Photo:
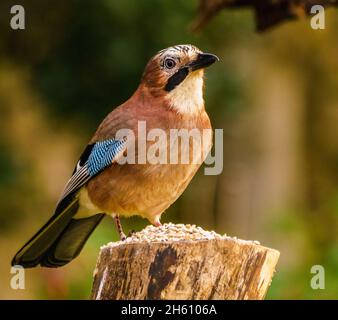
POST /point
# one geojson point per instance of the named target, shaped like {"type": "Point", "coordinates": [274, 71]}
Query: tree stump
{"type": "Point", "coordinates": [183, 262]}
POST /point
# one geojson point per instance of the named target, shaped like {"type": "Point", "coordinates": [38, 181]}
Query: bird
{"type": "Point", "coordinates": [169, 96]}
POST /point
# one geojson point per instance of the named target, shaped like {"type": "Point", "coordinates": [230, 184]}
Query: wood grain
{"type": "Point", "coordinates": [205, 269]}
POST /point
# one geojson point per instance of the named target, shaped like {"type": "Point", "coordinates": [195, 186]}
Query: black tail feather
{"type": "Point", "coordinates": [59, 241]}
{"type": "Point", "coordinates": [32, 252]}
{"type": "Point", "coordinates": [71, 241]}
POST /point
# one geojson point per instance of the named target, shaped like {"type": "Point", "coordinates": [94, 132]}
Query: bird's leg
{"type": "Point", "coordinates": [157, 222]}
{"type": "Point", "coordinates": [119, 228]}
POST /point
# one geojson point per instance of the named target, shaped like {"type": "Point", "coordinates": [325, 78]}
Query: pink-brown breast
{"type": "Point", "coordinates": [145, 189]}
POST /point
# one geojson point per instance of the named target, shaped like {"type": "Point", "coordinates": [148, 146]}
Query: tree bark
{"type": "Point", "coordinates": [222, 268]}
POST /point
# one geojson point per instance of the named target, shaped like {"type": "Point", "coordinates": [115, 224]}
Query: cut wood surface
{"type": "Point", "coordinates": [183, 262]}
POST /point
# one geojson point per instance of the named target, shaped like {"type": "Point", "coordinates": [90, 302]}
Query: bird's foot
{"type": "Point", "coordinates": [157, 223]}
{"type": "Point", "coordinates": [131, 232]}
{"type": "Point", "coordinates": [123, 237]}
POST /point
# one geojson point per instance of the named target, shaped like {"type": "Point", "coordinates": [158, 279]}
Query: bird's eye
{"type": "Point", "coordinates": [169, 63]}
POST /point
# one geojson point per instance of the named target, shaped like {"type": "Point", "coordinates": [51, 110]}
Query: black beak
{"type": "Point", "coordinates": [203, 60]}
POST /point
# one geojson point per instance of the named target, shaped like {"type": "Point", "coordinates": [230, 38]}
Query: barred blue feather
{"type": "Point", "coordinates": [103, 154]}
{"type": "Point", "coordinates": [93, 160]}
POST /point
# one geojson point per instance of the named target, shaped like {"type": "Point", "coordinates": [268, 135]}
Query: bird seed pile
{"type": "Point", "coordinates": [173, 232]}
{"type": "Point", "coordinates": [170, 232]}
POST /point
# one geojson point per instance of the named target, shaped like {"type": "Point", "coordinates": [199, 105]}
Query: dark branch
{"type": "Point", "coordinates": [267, 12]}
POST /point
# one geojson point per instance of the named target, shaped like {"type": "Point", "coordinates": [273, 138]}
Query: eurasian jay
{"type": "Point", "coordinates": [170, 96]}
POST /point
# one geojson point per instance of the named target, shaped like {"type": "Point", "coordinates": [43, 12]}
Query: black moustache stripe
{"type": "Point", "coordinates": [176, 79]}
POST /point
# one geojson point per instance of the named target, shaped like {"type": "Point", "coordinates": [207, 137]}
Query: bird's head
{"type": "Point", "coordinates": [176, 73]}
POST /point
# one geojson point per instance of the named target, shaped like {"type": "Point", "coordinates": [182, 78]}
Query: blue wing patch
{"type": "Point", "coordinates": [102, 155]}
{"type": "Point", "coordinates": [93, 160]}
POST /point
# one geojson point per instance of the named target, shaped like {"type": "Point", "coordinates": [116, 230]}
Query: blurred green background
{"type": "Point", "coordinates": [275, 95]}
